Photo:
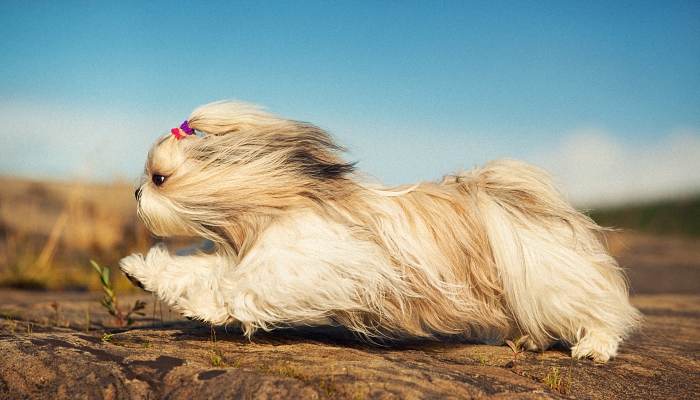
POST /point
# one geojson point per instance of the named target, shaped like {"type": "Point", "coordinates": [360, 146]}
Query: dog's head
{"type": "Point", "coordinates": [243, 165]}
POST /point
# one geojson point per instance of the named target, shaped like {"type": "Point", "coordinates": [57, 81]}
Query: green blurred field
{"type": "Point", "coordinates": [49, 231]}
{"type": "Point", "coordinates": [679, 217]}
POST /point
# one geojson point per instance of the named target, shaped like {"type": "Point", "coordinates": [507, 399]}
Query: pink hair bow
{"type": "Point", "coordinates": [184, 128]}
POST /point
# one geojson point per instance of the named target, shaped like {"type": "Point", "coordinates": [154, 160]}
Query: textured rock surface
{"type": "Point", "coordinates": [46, 352]}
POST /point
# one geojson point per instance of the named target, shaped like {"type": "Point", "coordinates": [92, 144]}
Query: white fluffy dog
{"type": "Point", "coordinates": [492, 253]}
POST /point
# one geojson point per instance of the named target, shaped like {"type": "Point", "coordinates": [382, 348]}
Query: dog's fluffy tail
{"type": "Point", "coordinates": [558, 279]}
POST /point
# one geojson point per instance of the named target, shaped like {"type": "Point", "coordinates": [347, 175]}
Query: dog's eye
{"type": "Point", "coordinates": [158, 179]}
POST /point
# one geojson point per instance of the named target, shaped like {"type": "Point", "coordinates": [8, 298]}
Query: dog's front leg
{"type": "Point", "coordinates": [189, 284]}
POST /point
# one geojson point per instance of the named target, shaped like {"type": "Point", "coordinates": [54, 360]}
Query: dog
{"type": "Point", "coordinates": [300, 237]}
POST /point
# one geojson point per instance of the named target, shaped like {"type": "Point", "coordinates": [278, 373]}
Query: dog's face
{"type": "Point", "coordinates": [159, 205]}
{"type": "Point", "coordinates": [247, 165]}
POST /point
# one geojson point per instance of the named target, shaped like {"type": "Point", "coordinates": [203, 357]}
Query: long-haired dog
{"type": "Point", "coordinates": [494, 253]}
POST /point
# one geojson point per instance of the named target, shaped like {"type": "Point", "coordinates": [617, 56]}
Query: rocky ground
{"type": "Point", "coordinates": [65, 345]}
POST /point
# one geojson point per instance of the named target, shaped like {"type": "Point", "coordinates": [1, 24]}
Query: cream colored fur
{"type": "Point", "coordinates": [493, 253]}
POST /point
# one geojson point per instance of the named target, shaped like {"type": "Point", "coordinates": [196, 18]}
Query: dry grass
{"type": "Point", "coordinates": [49, 231]}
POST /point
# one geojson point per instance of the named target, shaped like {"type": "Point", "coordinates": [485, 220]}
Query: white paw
{"type": "Point", "coordinates": [530, 344]}
{"type": "Point", "coordinates": [140, 270]}
{"type": "Point", "coordinates": [134, 267]}
{"type": "Point", "coordinates": [599, 347]}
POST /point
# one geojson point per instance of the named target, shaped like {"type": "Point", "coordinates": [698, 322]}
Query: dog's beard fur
{"type": "Point", "coordinates": [495, 252]}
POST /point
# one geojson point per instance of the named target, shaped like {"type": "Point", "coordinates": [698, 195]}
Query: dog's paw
{"type": "Point", "coordinates": [530, 344]}
{"type": "Point", "coordinates": [599, 347]}
{"type": "Point", "coordinates": [134, 267]}
{"type": "Point", "coordinates": [135, 282]}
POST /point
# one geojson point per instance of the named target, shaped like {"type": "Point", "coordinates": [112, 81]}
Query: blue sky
{"type": "Point", "coordinates": [605, 95]}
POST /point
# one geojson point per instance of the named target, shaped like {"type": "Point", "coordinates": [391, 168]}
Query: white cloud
{"type": "Point", "coordinates": [596, 167]}
{"type": "Point", "coordinates": [599, 169]}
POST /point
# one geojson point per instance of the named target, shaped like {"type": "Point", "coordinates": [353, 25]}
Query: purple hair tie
{"type": "Point", "coordinates": [185, 128]}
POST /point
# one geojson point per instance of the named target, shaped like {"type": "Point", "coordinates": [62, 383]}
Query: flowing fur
{"type": "Point", "coordinates": [494, 252]}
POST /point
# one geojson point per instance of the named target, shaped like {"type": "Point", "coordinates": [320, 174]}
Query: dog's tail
{"type": "Point", "coordinates": [558, 279]}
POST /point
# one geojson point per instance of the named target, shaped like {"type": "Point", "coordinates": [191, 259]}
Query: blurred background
{"type": "Point", "coordinates": [604, 95]}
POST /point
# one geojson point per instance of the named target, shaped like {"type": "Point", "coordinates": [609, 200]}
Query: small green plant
{"type": "Point", "coordinates": [292, 371]}
{"type": "Point", "coordinates": [287, 370]}
{"type": "Point", "coordinates": [30, 328]}
{"type": "Point", "coordinates": [479, 357]}
{"type": "Point", "coordinates": [517, 349]}
{"type": "Point", "coordinates": [109, 300]}
{"type": "Point", "coordinates": [284, 368]}
{"type": "Point", "coordinates": [147, 344]}
{"type": "Point", "coordinates": [358, 392]}
{"type": "Point", "coordinates": [212, 339]}
{"type": "Point", "coordinates": [264, 368]}
{"type": "Point", "coordinates": [217, 358]}
{"type": "Point", "coordinates": [212, 334]}
{"type": "Point", "coordinates": [12, 325]}
{"type": "Point", "coordinates": [554, 380]}
{"type": "Point", "coordinates": [329, 385]}
{"type": "Point", "coordinates": [109, 338]}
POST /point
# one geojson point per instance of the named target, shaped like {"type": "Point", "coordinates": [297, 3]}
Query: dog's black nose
{"type": "Point", "coordinates": [137, 193]}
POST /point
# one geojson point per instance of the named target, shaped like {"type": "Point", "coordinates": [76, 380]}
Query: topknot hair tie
{"type": "Point", "coordinates": [184, 128]}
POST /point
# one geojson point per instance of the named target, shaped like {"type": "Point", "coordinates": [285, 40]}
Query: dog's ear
{"type": "Point", "coordinates": [227, 116]}
{"type": "Point", "coordinates": [313, 152]}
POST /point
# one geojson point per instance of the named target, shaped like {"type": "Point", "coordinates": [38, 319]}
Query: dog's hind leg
{"type": "Point", "coordinates": [559, 281]}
